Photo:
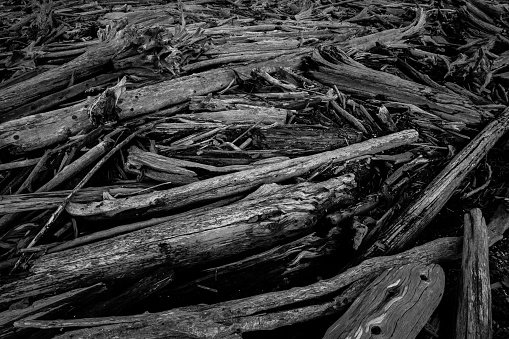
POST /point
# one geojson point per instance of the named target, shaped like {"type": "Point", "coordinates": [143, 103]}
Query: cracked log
{"type": "Point", "coordinates": [255, 224]}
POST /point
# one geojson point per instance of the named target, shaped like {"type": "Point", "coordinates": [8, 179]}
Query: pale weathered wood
{"type": "Point", "coordinates": [395, 305]}
{"type": "Point", "coordinates": [473, 318]}
{"type": "Point", "coordinates": [409, 225]}
{"type": "Point", "coordinates": [238, 182]}
{"type": "Point", "coordinates": [251, 224]}
{"type": "Point", "coordinates": [42, 130]}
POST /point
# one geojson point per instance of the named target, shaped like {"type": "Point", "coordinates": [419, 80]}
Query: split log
{"type": "Point", "coordinates": [410, 224]}
{"type": "Point", "coordinates": [473, 320]}
{"type": "Point", "coordinates": [246, 226]}
{"type": "Point", "coordinates": [395, 305]}
{"type": "Point", "coordinates": [259, 312]}
{"type": "Point", "coordinates": [231, 184]}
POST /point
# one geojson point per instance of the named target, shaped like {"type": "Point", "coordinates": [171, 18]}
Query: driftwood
{"type": "Point", "coordinates": [45, 200]}
{"type": "Point", "coordinates": [84, 66]}
{"type": "Point", "coordinates": [239, 182]}
{"type": "Point", "coordinates": [54, 306]}
{"type": "Point", "coordinates": [400, 233]}
{"type": "Point", "coordinates": [34, 132]}
{"type": "Point", "coordinates": [259, 312]}
{"type": "Point", "coordinates": [473, 319]}
{"type": "Point", "coordinates": [354, 78]}
{"type": "Point", "coordinates": [395, 305]}
{"type": "Point", "coordinates": [212, 235]}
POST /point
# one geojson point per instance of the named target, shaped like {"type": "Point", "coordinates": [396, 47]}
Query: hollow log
{"type": "Point", "coordinates": [473, 319]}
{"type": "Point", "coordinates": [226, 185]}
{"type": "Point", "coordinates": [246, 226]}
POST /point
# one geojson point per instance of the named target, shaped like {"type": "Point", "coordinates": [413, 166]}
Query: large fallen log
{"type": "Point", "coordinates": [260, 312]}
{"type": "Point", "coordinates": [238, 182]}
{"type": "Point", "coordinates": [249, 225]}
{"type": "Point", "coordinates": [416, 217]}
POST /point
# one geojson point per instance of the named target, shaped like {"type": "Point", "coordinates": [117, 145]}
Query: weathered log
{"type": "Point", "coordinates": [44, 129]}
{"type": "Point", "coordinates": [416, 217]}
{"type": "Point", "coordinates": [86, 65]}
{"type": "Point", "coordinates": [52, 100]}
{"type": "Point", "coordinates": [304, 137]}
{"type": "Point", "coordinates": [245, 114]}
{"type": "Point", "coordinates": [138, 158]}
{"type": "Point", "coordinates": [359, 80]}
{"type": "Point", "coordinates": [45, 200]}
{"type": "Point", "coordinates": [473, 318]}
{"type": "Point", "coordinates": [258, 312]}
{"type": "Point", "coordinates": [249, 225]}
{"type": "Point", "coordinates": [396, 305]}
{"type": "Point", "coordinates": [238, 182]}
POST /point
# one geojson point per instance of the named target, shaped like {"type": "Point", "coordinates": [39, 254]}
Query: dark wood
{"type": "Point", "coordinates": [416, 217]}
{"type": "Point", "coordinates": [260, 312]}
{"type": "Point", "coordinates": [473, 320]}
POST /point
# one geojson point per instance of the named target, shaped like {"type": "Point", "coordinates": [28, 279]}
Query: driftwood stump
{"type": "Point", "coordinates": [474, 305]}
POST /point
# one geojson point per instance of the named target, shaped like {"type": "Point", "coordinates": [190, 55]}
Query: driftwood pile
{"type": "Point", "coordinates": [241, 166]}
